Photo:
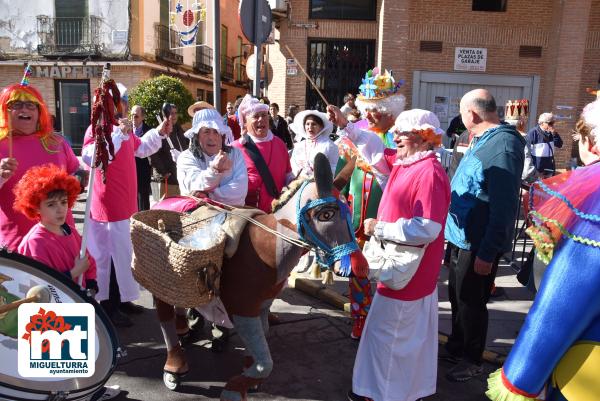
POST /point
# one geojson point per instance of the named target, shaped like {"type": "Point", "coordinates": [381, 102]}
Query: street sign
{"type": "Point", "coordinates": [255, 29]}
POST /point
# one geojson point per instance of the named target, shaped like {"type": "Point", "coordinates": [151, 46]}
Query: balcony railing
{"type": "Point", "coordinates": [227, 68]}
{"type": "Point", "coordinates": [204, 60]}
{"type": "Point", "coordinates": [241, 78]}
{"type": "Point", "coordinates": [165, 43]}
{"type": "Point", "coordinates": [68, 36]}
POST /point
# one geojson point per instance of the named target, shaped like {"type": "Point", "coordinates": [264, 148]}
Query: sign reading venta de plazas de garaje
{"type": "Point", "coordinates": [470, 59]}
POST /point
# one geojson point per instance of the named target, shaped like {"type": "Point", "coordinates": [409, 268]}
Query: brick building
{"type": "Point", "coordinates": [547, 51]}
{"type": "Point", "coordinates": [68, 41]}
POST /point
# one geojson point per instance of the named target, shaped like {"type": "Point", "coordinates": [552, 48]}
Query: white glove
{"type": "Point", "coordinates": [175, 154]}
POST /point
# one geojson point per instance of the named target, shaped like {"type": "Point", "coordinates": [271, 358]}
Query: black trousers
{"type": "Point", "coordinates": [469, 294]}
{"type": "Point", "coordinates": [114, 296]}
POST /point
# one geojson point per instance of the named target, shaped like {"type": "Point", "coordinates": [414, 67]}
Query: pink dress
{"type": "Point", "coordinates": [56, 251]}
{"type": "Point", "coordinates": [29, 152]}
{"type": "Point", "coordinates": [276, 156]}
{"type": "Point", "coordinates": [117, 201]}
{"type": "Point", "coordinates": [420, 189]}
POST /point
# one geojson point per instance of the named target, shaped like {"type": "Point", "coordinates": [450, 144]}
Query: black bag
{"type": "Point", "coordinates": [525, 274]}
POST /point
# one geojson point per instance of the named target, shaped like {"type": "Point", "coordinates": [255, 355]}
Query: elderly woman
{"type": "Point", "coordinates": [397, 355]}
{"type": "Point", "coordinates": [26, 132]}
{"type": "Point", "coordinates": [315, 128]}
{"type": "Point", "coordinates": [209, 168]}
{"type": "Point", "coordinates": [266, 155]}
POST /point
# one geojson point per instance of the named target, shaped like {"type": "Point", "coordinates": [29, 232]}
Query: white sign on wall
{"type": "Point", "coordinates": [291, 67]}
{"type": "Point", "coordinates": [470, 59]}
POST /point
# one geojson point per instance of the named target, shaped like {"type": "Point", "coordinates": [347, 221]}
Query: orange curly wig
{"type": "Point", "coordinates": [37, 183]}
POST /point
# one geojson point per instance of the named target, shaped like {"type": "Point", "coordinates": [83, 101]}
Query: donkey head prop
{"type": "Point", "coordinates": [324, 221]}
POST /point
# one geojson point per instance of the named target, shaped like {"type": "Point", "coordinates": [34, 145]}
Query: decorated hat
{"type": "Point", "coordinates": [380, 90]}
{"type": "Point", "coordinates": [422, 122]}
{"type": "Point", "coordinates": [516, 110]}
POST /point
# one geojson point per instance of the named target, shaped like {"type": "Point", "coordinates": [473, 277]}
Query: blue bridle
{"type": "Point", "coordinates": [326, 255]}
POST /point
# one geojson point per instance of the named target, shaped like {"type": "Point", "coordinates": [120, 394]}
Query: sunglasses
{"type": "Point", "coordinates": [20, 105]}
{"type": "Point", "coordinates": [551, 123]}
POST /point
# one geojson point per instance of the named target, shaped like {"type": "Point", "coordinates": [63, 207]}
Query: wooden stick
{"type": "Point", "coordinates": [306, 75]}
{"type": "Point", "coordinates": [10, 138]}
{"type": "Point", "coordinates": [14, 305]}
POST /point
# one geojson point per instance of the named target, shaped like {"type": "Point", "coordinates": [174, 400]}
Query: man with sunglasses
{"type": "Point", "coordinates": [542, 140]}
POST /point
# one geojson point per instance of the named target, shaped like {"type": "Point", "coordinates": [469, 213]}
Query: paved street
{"type": "Point", "coordinates": [311, 349]}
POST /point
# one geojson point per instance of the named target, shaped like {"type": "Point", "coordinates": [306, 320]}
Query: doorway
{"type": "Point", "coordinates": [73, 110]}
{"type": "Point", "coordinates": [337, 67]}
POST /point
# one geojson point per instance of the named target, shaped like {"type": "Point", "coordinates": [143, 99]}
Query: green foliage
{"type": "Point", "coordinates": [152, 93]}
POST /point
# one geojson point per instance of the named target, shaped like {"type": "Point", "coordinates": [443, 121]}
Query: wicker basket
{"type": "Point", "coordinates": [178, 275]}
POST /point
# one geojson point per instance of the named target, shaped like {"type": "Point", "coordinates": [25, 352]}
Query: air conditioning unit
{"type": "Point", "coordinates": [278, 5]}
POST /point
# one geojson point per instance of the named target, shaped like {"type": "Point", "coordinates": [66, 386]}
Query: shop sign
{"type": "Point", "coordinates": [68, 71]}
{"type": "Point", "coordinates": [470, 59]}
{"type": "Point", "coordinates": [291, 67]}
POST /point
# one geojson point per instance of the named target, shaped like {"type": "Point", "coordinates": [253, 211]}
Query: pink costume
{"type": "Point", "coordinates": [29, 152]}
{"type": "Point", "coordinates": [113, 203]}
{"type": "Point", "coordinates": [275, 154]}
{"type": "Point", "coordinates": [397, 355]}
{"type": "Point", "coordinates": [420, 189]}
{"type": "Point", "coordinates": [57, 251]}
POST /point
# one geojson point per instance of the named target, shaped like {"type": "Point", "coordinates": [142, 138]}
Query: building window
{"type": "Point", "coordinates": [489, 5]}
{"type": "Point", "coordinates": [343, 9]}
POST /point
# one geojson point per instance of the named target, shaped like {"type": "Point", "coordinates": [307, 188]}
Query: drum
{"type": "Point", "coordinates": [17, 275]}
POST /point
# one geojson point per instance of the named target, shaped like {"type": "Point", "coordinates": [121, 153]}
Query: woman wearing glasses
{"type": "Point", "coordinates": [26, 140]}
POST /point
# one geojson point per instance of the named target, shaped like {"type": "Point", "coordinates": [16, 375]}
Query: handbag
{"type": "Point", "coordinates": [392, 264]}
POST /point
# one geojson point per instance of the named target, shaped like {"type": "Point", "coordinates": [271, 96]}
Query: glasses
{"type": "Point", "coordinates": [20, 105]}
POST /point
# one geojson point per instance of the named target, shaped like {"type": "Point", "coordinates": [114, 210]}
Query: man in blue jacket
{"type": "Point", "coordinates": [542, 140]}
{"type": "Point", "coordinates": [483, 209]}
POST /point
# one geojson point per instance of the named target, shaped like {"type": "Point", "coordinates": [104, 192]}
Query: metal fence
{"type": "Point", "coordinates": [68, 35]}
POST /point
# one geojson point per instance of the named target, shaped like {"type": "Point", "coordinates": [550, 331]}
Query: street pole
{"type": "Point", "coordinates": [217, 55]}
{"type": "Point", "coordinates": [257, 47]}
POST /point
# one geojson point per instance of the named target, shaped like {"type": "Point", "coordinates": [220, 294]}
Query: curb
{"type": "Point", "coordinates": [324, 293]}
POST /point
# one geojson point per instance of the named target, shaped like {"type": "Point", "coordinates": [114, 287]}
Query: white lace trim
{"type": "Point", "coordinates": [413, 158]}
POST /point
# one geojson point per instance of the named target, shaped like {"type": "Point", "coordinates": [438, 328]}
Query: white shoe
{"type": "Point", "coordinates": [110, 392]}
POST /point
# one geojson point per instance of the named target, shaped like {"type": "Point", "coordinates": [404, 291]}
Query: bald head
{"type": "Point", "coordinates": [478, 110]}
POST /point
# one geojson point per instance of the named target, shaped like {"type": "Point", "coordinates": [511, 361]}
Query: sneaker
{"type": "Point", "coordinates": [355, 397]}
{"type": "Point", "coordinates": [464, 371]}
{"type": "Point", "coordinates": [357, 327]}
{"type": "Point", "coordinates": [131, 309]}
{"type": "Point", "coordinates": [445, 355]}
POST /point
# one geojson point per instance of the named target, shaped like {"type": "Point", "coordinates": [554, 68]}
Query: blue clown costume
{"type": "Point", "coordinates": [558, 348]}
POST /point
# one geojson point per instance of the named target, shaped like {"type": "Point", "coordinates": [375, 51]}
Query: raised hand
{"type": "Point", "coordinates": [221, 162]}
{"type": "Point", "coordinates": [165, 128]}
{"type": "Point", "coordinates": [8, 167]}
{"type": "Point", "coordinates": [335, 115]}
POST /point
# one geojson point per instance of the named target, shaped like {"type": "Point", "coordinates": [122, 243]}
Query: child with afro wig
{"type": "Point", "coordinates": [46, 193]}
